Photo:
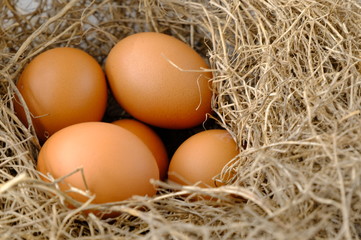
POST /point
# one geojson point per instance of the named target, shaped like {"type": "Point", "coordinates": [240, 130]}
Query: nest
{"type": "Point", "coordinates": [286, 86]}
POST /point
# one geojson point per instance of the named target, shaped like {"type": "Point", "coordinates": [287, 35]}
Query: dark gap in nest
{"type": "Point", "coordinates": [336, 65]}
{"type": "Point", "coordinates": [9, 168]}
{"type": "Point", "coordinates": [37, 234]}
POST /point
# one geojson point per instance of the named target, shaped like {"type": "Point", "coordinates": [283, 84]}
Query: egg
{"type": "Point", "coordinates": [116, 164]}
{"type": "Point", "coordinates": [151, 139]}
{"type": "Point", "coordinates": [160, 80]}
{"type": "Point", "coordinates": [61, 86]}
{"type": "Point", "coordinates": [201, 157]}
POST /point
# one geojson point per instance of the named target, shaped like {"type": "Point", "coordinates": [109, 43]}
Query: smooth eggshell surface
{"type": "Point", "coordinates": [61, 87]}
{"type": "Point", "coordinates": [151, 139]}
{"type": "Point", "coordinates": [201, 157]}
{"type": "Point", "coordinates": [158, 79]}
{"type": "Point", "coordinates": [116, 164]}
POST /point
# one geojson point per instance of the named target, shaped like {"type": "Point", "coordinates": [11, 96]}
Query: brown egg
{"type": "Point", "coordinates": [62, 86]}
{"type": "Point", "coordinates": [116, 163]}
{"type": "Point", "coordinates": [201, 157]}
{"type": "Point", "coordinates": [151, 139]}
{"type": "Point", "coordinates": [158, 79]}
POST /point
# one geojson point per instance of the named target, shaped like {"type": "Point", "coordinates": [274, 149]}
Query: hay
{"type": "Point", "coordinates": [286, 85]}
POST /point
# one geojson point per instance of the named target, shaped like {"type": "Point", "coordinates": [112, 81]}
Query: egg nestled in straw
{"type": "Point", "coordinates": [61, 86]}
{"type": "Point", "coordinates": [202, 157]}
{"type": "Point", "coordinates": [114, 163]}
{"type": "Point", "coordinates": [160, 80]}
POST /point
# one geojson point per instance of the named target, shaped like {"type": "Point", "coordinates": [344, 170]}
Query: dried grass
{"type": "Point", "coordinates": [286, 85]}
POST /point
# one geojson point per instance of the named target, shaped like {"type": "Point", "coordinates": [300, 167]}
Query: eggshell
{"type": "Point", "coordinates": [151, 139]}
{"type": "Point", "coordinates": [62, 86]}
{"type": "Point", "coordinates": [159, 80]}
{"type": "Point", "coordinates": [201, 157]}
{"type": "Point", "coordinates": [116, 164]}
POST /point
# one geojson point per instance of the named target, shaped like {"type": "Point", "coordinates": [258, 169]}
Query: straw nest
{"type": "Point", "coordinates": [286, 85]}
